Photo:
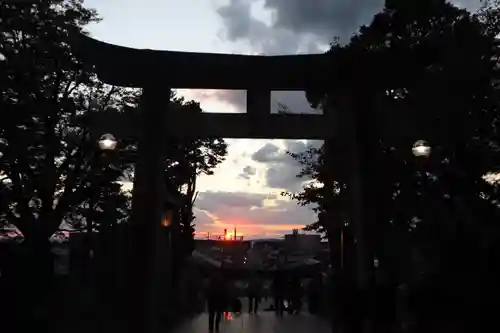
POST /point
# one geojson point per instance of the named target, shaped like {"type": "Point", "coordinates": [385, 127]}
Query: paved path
{"type": "Point", "coordinates": [262, 322]}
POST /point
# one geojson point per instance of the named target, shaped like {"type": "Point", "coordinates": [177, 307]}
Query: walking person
{"type": "Point", "coordinates": [217, 299]}
{"type": "Point", "coordinates": [254, 293]}
{"type": "Point", "coordinates": [314, 290]}
{"type": "Point", "coordinates": [279, 292]}
{"type": "Point", "coordinates": [295, 295]}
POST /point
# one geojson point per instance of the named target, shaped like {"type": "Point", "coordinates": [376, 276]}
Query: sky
{"type": "Point", "coordinates": [245, 190]}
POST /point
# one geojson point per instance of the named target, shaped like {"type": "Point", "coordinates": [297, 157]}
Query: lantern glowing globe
{"type": "Point", "coordinates": [421, 149]}
{"type": "Point", "coordinates": [107, 142]}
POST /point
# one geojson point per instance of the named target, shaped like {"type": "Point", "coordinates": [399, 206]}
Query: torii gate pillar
{"type": "Point", "coordinates": [148, 202]}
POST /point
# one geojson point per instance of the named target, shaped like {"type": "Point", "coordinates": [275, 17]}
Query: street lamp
{"type": "Point", "coordinates": [107, 142]}
{"type": "Point", "coordinates": [168, 216]}
{"type": "Point", "coordinates": [3, 67]}
{"type": "Point", "coordinates": [171, 205]}
{"type": "Point", "coordinates": [421, 148]}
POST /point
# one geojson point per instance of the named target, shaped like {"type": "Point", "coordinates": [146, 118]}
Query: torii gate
{"type": "Point", "coordinates": [159, 71]}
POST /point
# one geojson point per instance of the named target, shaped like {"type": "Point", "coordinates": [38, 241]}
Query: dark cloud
{"type": "Point", "coordinates": [298, 26]}
{"type": "Point", "coordinates": [282, 172]}
{"type": "Point", "coordinates": [295, 146]}
{"type": "Point", "coordinates": [248, 172]}
{"type": "Point", "coordinates": [233, 199]}
{"type": "Point", "coordinates": [241, 25]}
{"type": "Point", "coordinates": [283, 177]}
{"type": "Point", "coordinates": [301, 26]}
{"type": "Point", "coordinates": [324, 19]}
{"type": "Point", "coordinates": [471, 5]}
{"type": "Point", "coordinates": [281, 168]}
{"type": "Point", "coordinates": [268, 153]}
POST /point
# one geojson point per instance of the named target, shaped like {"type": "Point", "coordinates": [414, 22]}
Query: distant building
{"type": "Point", "coordinates": [266, 244]}
{"type": "Point", "coordinates": [303, 244]}
{"type": "Point", "coordinates": [234, 251]}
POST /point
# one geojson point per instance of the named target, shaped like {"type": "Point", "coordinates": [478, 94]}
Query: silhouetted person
{"type": "Point", "coordinates": [295, 295]}
{"type": "Point", "coordinates": [234, 303]}
{"type": "Point", "coordinates": [217, 299]}
{"type": "Point", "coordinates": [314, 291]}
{"type": "Point", "coordinates": [279, 292]}
{"type": "Point", "coordinates": [288, 293]}
{"type": "Point", "coordinates": [254, 293]}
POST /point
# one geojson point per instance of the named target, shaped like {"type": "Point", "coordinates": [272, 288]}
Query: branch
{"type": "Point", "coordinates": [194, 198]}
{"type": "Point", "coordinates": [68, 196]}
{"type": "Point", "coordinates": [77, 81]}
{"type": "Point", "coordinates": [108, 97]}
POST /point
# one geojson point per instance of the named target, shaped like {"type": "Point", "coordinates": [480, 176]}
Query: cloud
{"type": "Point", "coordinates": [281, 169]}
{"type": "Point", "coordinates": [248, 172]}
{"type": "Point", "coordinates": [253, 214]}
{"type": "Point", "coordinates": [471, 5]}
{"type": "Point", "coordinates": [209, 200]}
{"type": "Point", "coordinates": [324, 19]}
{"type": "Point", "coordinates": [221, 101]}
{"type": "Point", "coordinates": [268, 153]}
{"type": "Point", "coordinates": [298, 26]}
{"type": "Point", "coordinates": [240, 24]}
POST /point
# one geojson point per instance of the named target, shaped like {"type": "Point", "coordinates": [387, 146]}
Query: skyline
{"type": "Point", "coordinates": [245, 189]}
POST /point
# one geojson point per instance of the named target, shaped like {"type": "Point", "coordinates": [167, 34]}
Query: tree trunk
{"type": "Point", "coordinates": [33, 283]}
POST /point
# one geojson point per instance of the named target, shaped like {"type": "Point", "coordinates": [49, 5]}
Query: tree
{"type": "Point", "coordinates": [441, 90]}
{"type": "Point", "coordinates": [331, 208]}
{"type": "Point", "coordinates": [187, 159]}
{"type": "Point", "coordinates": [46, 147]}
{"type": "Point", "coordinates": [52, 177]}
{"type": "Point", "coordinates": [429, 69]}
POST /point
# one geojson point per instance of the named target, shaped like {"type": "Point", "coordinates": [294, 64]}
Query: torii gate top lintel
{"type": "Point", "coordinates": [129, 67]}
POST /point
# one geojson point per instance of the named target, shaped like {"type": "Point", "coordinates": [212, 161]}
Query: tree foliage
{"type": "Point", "coordinates": [430, 71]}
{"type": "Point", "coordinates": [48, 162]}
{"type": "Point", "coordinates": [188, 158]}
{"type": "Point", "coordinates": [46, 149]}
